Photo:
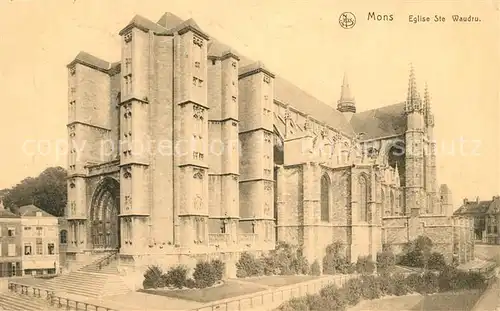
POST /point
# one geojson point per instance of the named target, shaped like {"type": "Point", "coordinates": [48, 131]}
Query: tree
{"type": "Point", "coordinates": [47, 191]}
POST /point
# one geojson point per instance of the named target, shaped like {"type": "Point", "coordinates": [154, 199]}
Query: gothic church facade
{"type": "Point", "coordinates": [185, 149]}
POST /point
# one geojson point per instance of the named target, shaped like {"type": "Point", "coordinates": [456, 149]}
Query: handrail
{"type": "Point", "coordinates": [99, 263]}
{"type": "Point", "coordinates": [106, 259]}
{"type": "Point", "coordinates": [52, 299]}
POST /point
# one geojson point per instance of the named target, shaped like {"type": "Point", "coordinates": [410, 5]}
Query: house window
{"type": "Point", "coordinates": [63, 237]}
{"type": "Point", "coordinates": [39, 231]}
{"type": "Point", "coordinates": [51, 248]}
{"type": "Point", "coordinates": [27, 249]}
{"type": "Point", "coordinates": [39, 247]}
{"type": "Point", "coordinates": [12, 250]}
{"type": "Point", "coordinates": [11, 232]}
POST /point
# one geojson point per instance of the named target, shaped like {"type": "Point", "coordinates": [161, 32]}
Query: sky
{"type": "Point", "coordinates": [300, 40]}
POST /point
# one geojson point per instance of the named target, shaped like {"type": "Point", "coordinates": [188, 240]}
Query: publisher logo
{"type": "Point", "coordinates": [347, 20]}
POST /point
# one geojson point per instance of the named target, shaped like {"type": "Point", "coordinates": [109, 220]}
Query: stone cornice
{"type": "Point", "coordinates": [89, 125]}
{"type": "Point", "coordinates": [254, 71]}
{"type": "Point", "coordinates": [188, 28]}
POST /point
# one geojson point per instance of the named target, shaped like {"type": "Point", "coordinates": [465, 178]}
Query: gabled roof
{"type": "Point", "coordinates": [142, 23]}
{"type": "Point", "coordinates": [4, 213]}
{"type": "Point", "coordinates": [31, 210]}
{"type": "Point", "coordinates": [380, 122]}
{"type": "Point", "coordinates": [169, 20]}
{"type": "Point", "coordinates": [474, 207]}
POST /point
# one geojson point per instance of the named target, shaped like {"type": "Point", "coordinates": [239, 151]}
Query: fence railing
{"type": "Point", "coordinates": [52, 299]}
{"type": "Point", "coordinates": [275, 297]}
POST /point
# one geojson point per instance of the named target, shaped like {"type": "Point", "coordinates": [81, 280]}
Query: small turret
{"type": "Point", "coordinates": [429, 117]}
{"type": "Point", "coordinates": [346, 104]}
{"type": "Point", "coordinates": [413, 101]}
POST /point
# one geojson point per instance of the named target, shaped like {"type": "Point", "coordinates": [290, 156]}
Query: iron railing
{"type": "Point", "coordinates": [52, 299]}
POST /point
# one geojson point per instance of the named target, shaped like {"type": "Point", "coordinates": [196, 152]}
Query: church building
{"type": "Point", "coordinates": [185, 149]}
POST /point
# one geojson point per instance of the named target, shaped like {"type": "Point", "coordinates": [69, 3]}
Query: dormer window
{"type": "Point", "coordinates": [38, 214]}
{"type": "Point", "coordinates": [72, 70]}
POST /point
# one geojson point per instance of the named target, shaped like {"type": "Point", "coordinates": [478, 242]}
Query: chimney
{"type": "Point", "coordinates": [466, 201]}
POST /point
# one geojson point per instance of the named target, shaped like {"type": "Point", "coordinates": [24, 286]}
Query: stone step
{"type": "Point", "coordinates": [88, 284]}
{"type": "Point", "coordinates": [16, 302]}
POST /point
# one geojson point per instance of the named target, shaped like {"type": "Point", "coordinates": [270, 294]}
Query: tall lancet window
{"type": "Point", "coordinates": [325, 198]}
{"type": "Point", "coordinates": [363, 199]}
{"type": "Point", "coordinates": [393, 207]}
{"type": "Point", "coordinates": [385, 211]}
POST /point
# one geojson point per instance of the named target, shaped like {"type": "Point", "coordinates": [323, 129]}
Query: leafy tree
{"type": "Point", "coordinates": [47, 191]}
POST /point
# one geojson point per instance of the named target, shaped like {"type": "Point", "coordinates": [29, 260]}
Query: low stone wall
{"type": "Point", "coordinates": [271, 299]}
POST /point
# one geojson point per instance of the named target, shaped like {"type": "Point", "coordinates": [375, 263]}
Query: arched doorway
{"type": "Point", "coordinates": [104, 210]}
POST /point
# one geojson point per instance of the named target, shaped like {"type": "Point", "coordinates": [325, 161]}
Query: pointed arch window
{"type": "Point", "coordinates": [325, 198]}
{"type": "Point", "coordinates": [382, 203]}
{"type": "Point", "coordinates": [392, 202]}
{"type": "Point", "coordinates": [363, 199]}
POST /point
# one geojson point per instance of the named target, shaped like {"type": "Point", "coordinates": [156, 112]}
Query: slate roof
{"type": "Point", "coordinates": [380, 122]}
{"type": "Point", "coordinates": [4, 213]}
{"type": "Point", "coordinates": [31, 210]}
{"type": "Point", "coordinates": [481, 207]}
{"type": "Point", "coordinates": [376, 123]}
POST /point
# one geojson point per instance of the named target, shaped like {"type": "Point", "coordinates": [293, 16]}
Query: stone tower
{"type": "Point", "coordinates": [430, 169]}
{"type": "Point", "coordinates": [414, 153]}
{"type": "Point", "coordinates": [256, 91]}
{"type": "Point", "coordinates": [346, 103]}
{"type": "Point", "coordinates": [191, 125]}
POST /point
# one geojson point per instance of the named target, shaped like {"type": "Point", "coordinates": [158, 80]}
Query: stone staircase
{"type": "Point", "coordinates": [16, 302]}
{"type": "Point", "coordinates": [87, 284]}
{"type": "Point", "coordinates": [106, 265]}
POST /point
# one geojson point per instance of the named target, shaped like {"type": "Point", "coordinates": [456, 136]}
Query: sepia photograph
{"type": "Point", "coordinates": [286, 155]}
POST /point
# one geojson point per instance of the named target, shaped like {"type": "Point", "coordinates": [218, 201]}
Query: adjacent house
{"type": "Point", "coordinates": [40, 241]}
{"type": "Point", "coordinates": [10, 243]}
{"type": "Point", "coordinates": [486, 215]}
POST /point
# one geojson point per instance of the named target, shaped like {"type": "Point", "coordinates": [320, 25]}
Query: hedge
{"type": "Point", "coordinates": [367, 287]}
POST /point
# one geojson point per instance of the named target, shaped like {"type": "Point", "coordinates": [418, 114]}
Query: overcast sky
{"type": "Point", "coordinates": [300, 40]}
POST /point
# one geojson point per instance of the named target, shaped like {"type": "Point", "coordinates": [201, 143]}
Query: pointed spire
{"type": "Point", "coordinates": [413, 102]}
{"type": "Point", "coordinates": [429, 117]}
{"type": "Point", "coordinates": [346, 103]}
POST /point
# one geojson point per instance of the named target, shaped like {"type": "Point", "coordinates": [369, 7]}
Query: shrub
{"type": "Point", "coordinates": [334, 261]}
{"type": "Point", "coordinates": [371, 287]}
{"type": "Point", "coordinates": [333, 298]}
{"type": "Point", "coordinates": [365, 265]}
{"type": "Point", "coordinates": [219, 268]}
{"type": "Point", "coordinates": [153, 278]}
{"type": "Point", "coordinates": [386, 283]}
{"type": "Point", "coordinates": [295, 304]}
{"type": "Point", "coordinates": [417, 252]}
{"type": "Point", "coordinates": [315, 268]}
{"type": "Point", "coordinates": [248, 265]}
{"type": "Point", "coordinates": [386, 260]}
{"type": "Point", "coordinates": [190, 283]}
{"type": "Point", "coordinates": [429, 283]}
{"type": "Point", "coordinates": [400, 285]}
{"type": "Point", "coordinates": [436, 261]}
{"type": "Point", "coordinates": [413, 282]}
{"type": "Point", "coordinates": [204, 274]}
{"type": "Point", "coordinates": [353, 291]}
{"type": "Point", "coordinates": [300, 265]}
{"type": "Point", "coordinates": [177, 276]}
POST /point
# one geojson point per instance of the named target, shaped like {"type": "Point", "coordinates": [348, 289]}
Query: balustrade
{"type": "Point", "coordinates": [52, 299]}
{"type": "Point", "coordinates": [247, 238]}
{"type": "Point", "coordinates": [218, 238]}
